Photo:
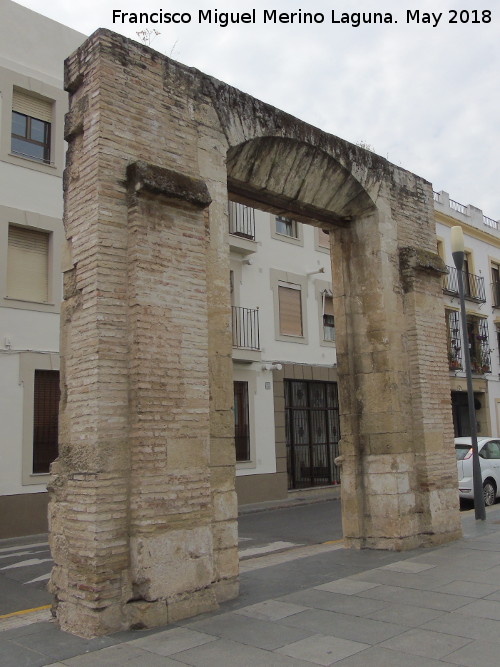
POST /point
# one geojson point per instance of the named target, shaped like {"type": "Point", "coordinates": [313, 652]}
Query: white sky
{"type": "Point", "coordinates": [427, 98]}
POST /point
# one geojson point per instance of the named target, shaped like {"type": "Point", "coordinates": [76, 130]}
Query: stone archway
{"type": "Point", "coordinates": [143, 508]}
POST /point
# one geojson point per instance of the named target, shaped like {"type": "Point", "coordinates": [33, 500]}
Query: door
{"type": "Point", "coordinates": [312, 433]}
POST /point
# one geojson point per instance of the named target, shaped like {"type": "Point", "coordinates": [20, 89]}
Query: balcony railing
{"type": "Point", "coordinates": [473, 285]}
{"type": "Point", "coordinates": [241, 220]}
{"type": "Point", "coordinates": [489, 222]}
{"type": "Point", "coordinates": [457, 206]}
{"type": "Point", "coordinates": [245, 328]}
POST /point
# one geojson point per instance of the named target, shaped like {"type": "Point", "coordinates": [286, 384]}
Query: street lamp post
{"type": "Point", "coordinates": [457, 249]}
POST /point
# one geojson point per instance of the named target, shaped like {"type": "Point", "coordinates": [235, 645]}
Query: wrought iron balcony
{"type": "Point", "coordinates": [241, 221]}
{"type": "Point", "coordinates": [245, 328]}
{"type": "Point", "coordinates": [473, 285]}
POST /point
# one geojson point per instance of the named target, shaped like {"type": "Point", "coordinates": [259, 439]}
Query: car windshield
{"type": "Point", "coordinates": [461, 451]}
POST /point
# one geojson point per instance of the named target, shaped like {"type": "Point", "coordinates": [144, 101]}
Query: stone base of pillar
{"type": "Point", "coordinates": [402, 543]}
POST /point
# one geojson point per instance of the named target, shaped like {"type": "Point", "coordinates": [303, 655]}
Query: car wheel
{"type": "Point", "coordinates": [490, 493]}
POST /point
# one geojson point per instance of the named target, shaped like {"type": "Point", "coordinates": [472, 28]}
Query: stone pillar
{"type": "Point", "coordinates": [142, 512]}
{"type": "Point", "coordinates": [398, 487]}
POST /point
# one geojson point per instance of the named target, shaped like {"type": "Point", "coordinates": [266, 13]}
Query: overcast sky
{"type": "Point", "coordinates": [426, 97]}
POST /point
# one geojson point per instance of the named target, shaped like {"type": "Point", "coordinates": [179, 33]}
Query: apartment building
{"type": "Point", "coordinates": [285, 389]}
{"type": "Point", "coordinates": [482, 297]}
{"type": "Point", "coordinates": [32, 108]}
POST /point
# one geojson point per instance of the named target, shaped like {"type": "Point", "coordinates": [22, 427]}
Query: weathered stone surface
{"type": "Point", "coordinates": [172, 184]}
{"type": "Point", "coordinates": [143, 508]}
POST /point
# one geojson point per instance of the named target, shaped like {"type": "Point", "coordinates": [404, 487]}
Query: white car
{"type": "Point", "coordinates": [489, 458]}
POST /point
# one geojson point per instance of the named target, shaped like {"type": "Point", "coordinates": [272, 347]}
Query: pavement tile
{"type": "Point", "coordinates": [408, 566]}
{"type": "Point", "coordinates": [355, 628]}
{"type": "Point", "coordinates": [445, 574]}
{"type": "Point", "coordinates": [425, 643]}
{"type": "Point", "coordinates": [383, 657]}
{"type": "Point", "coordinates": [461, 626]}
{"type": "Point", "coordinates": [475, 653]}
{"type": "Point", "coordinates": [29, 629]}
{"type": "Point", "coordinates": [404, 614]}
{"type": "Point", "coordinates": [225, 653]}
{"type": "Point", "coordinates": [346, 586]}
{"type": "Point", "coordinates": [122, 654]}
{"type": "Point", "coordinates": [344, 604]}
{"type": "Point", "coordinates": [172, 641]}
{"type": "Point", "coordinates": [480, 559]}
{"type": "Point", "coordinates": [427, 580]}
{"type": "Point", "coordinates": [251, 631]}
{"type": "Point", "coordinates": [479, 545]}
{"type": "Point", "coordinates": [271, 610]}
{"type": "Point", "coordinates": [482, 608]}
{"type": "Point", "coordinates": [419, 598]}
{"type": "Point", "coordinates": [59, 645]}
{"type": "Point", "coordinates": [13, 655]}
{"type": "Point", "coordinates": [493, 596]}
{"type": "Point", "coordinates": [471, 589]}
{"type": "Point", "coordinates": [322, 650]}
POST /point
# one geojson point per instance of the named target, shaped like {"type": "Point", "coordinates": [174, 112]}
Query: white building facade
{"type": "Point", "coordinates": [482, 297]}
{"type": "Point", "coordinates": [286, 405]}
{"type": "Point", "coordinates": [32, 108]}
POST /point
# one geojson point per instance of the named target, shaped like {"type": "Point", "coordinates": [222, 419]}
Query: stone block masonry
{"type": "Point", "coordinates": [142, 502]}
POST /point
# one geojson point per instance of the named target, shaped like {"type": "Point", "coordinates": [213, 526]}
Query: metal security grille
{"type": "Point", "coordinates": [312, 433]}
{"type": "Point", "coordinates": [45, 419]}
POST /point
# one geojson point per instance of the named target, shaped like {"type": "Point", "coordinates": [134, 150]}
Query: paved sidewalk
{"type": "Point", "coordinates": [317, 605]}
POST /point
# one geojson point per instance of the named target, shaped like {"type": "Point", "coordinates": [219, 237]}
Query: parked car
{"type": "Point", "coordinates": [489, 459]}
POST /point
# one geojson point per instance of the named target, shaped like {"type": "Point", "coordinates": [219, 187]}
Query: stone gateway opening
{"type": "Point", "coordinates": [142, 497]}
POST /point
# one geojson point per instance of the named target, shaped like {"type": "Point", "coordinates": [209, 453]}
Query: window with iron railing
{"type": "Point", "coordinates": [479, 345]}
{"type": "Point", "coordinates": [454, 340]}
{"type": "Point", "coordinates": [245, 323]}
{"type": "Point", "coordinates": [241, 220]}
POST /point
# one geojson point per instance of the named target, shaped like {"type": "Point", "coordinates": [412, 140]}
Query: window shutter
{"type": "Point", "coordinates": [290, 310]}
{"type": "Point", "coordinates": [28, 264]}
{"type": "Point", "coordinates": [31, 105]}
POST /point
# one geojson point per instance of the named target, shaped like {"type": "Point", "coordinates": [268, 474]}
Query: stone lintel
{"type": "Point", "coordinates": [142, 176]}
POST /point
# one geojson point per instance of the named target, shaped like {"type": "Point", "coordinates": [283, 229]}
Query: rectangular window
{"type": "Point", "coordinates": [286, 227]}
{"type": "Point", "coordinates": [45, 419]}
{"type": "Point", "coordinates": [290, 309]}
{"type": "Point", "coordinates": [31, 124]}
{"type": "Point", "coordinates": [241, 421]}
{"type": "Point", "coordinates": [328, 318]}
{"type": "Point", "coordinates": [28, 264]}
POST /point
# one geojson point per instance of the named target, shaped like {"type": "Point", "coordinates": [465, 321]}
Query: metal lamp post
{"type": "Point", "coordinates": [457, 249]}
